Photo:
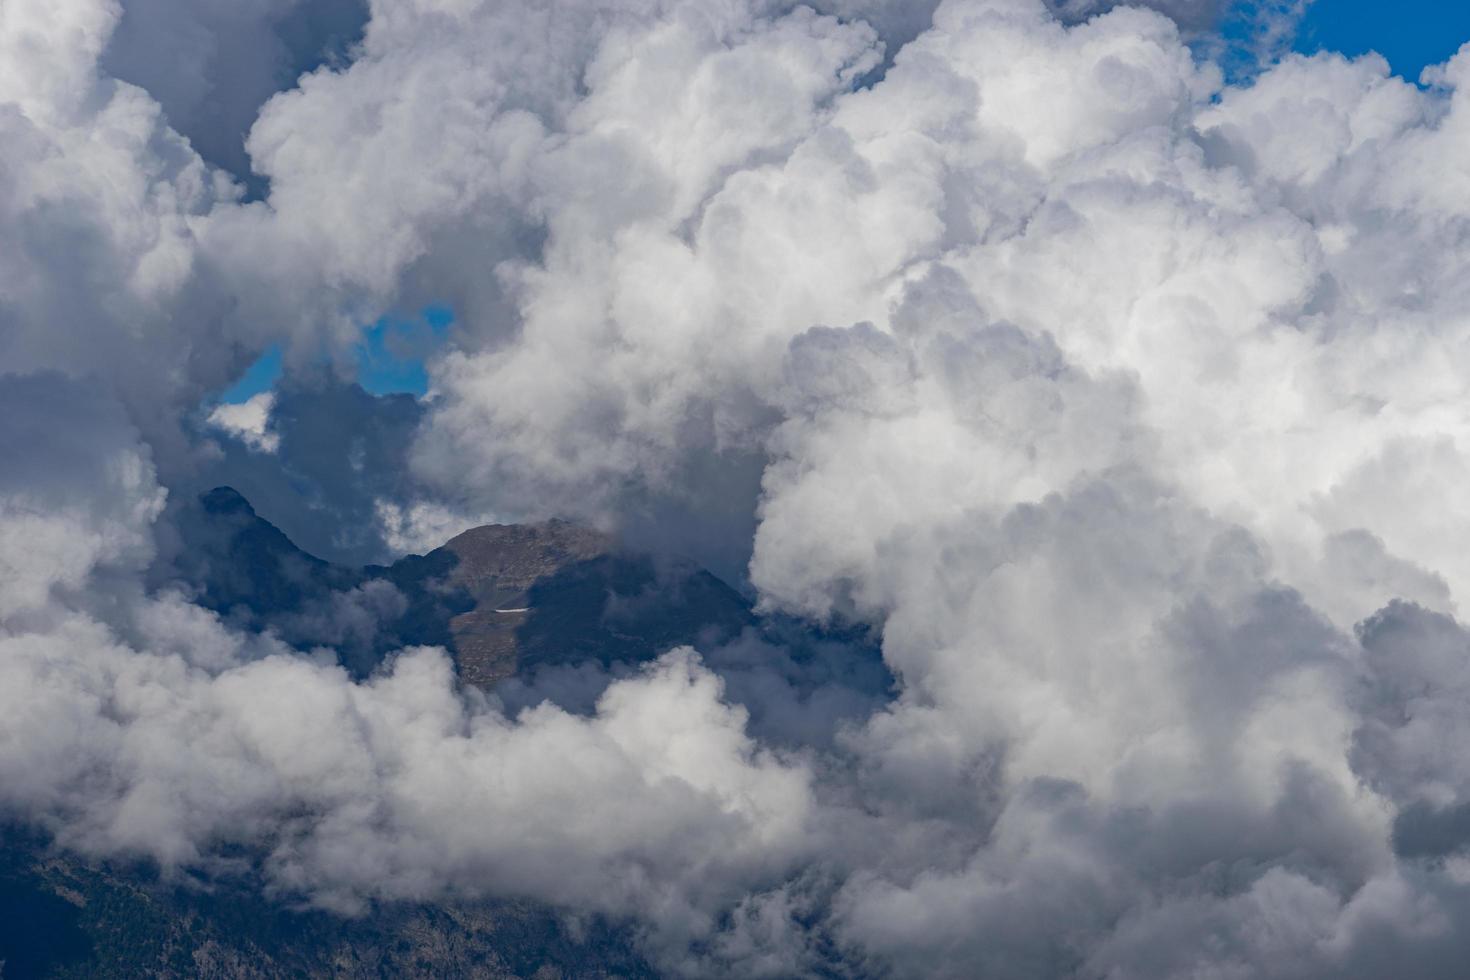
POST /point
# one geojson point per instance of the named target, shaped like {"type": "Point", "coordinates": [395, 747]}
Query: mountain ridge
{"type": "Point", "coordinates": [504, 599]}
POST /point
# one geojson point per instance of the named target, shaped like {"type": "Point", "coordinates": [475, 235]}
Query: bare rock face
{"type": "Point", "coordinates": [559, 593]}
{"type": "Point", "coordinates": [499, 565]}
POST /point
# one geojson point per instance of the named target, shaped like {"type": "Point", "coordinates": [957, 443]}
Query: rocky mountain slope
{"type": "Point", "coordinates": [504, 599]}
{"type": "Point", "coordinates": [67, 919]}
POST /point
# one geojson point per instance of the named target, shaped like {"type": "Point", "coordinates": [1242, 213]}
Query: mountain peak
{"type": "Point", "coordinates": [226, 500]}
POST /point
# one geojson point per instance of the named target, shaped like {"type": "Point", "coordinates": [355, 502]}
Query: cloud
{"type": "Point", "coordinates": [357, 792]}
{"type": "Point", "coordinates": [1118, 404]}
{"type": "Point", "coordinates": [249, 421]}
{"type": "Point", "coordinates": [1189, 14]}
{"type": "Point", "coordinates": [77, 492]}
{"type": "Point", "coordinates": [212, 65]}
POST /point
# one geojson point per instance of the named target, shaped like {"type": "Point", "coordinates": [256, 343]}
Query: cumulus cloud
{"type": "Point", "coordinates": [249, 421]}
{"type": "Point", "coordinates": [211, 65]}
{"type": "Point", "coordinates": [1121, 406]}
{"type": "Point", "coordinates": [393, 789]}
{"type": "Point", "coordinates": [77, 492]}
{"type": "Point", "coordinates": [421, 526]}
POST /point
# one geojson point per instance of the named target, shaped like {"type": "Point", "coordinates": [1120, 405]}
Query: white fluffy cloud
{"type": "Point", "coordinates": [394, 789]}
{"type": "Point", "coordinates": [1124, 405]}
{"type": "Point", "coordinates": [249, 421]}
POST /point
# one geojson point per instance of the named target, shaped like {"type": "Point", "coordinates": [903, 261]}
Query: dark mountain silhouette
{"type": "Point", "coordinates": [503, 599]}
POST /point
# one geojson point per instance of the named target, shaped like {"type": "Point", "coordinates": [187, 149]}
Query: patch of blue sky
{"type": "Point", "coordinates": [258, 377]}
{"type": "Point", "coordinates": [1411, 34]}
{"type": "Point", "coordinates": [389, 358]}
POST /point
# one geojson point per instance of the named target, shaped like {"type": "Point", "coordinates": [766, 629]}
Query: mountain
{"type": "Point", "coordinates": [62, 918]}
{"type": "Point", "coordinates": [503, 599]}
{"type": "Point", "coordinates": [507, 602]}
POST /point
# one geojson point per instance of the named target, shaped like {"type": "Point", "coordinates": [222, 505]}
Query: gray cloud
{"type": "Point", "coordinates": [212, 65]}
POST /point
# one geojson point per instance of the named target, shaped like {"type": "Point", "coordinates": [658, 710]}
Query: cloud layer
{"type": "Point", "coordinates": [1124, 405]}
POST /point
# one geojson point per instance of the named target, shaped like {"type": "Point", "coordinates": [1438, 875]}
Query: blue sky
{"type": "Point", "coordinates": [390, 357]}
{"type": "Point", "coordinates": [1411, 34]}
{"type": "Point", "coordinates": [258, 377]}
